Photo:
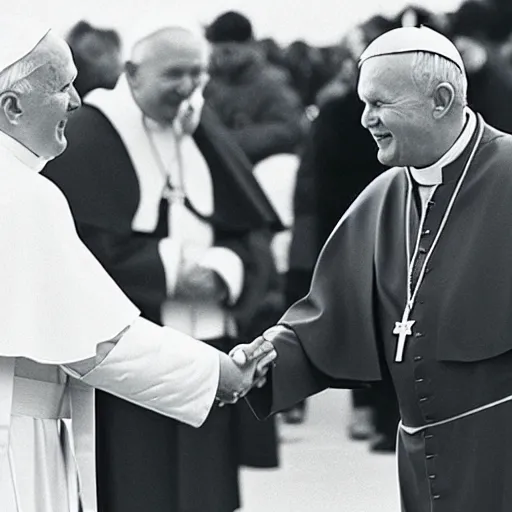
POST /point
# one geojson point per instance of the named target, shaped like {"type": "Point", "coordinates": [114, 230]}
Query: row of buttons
{"type": "Point", "coordinates": [431, 476]}
{"type": "Point", "coordinates": [429, 457]}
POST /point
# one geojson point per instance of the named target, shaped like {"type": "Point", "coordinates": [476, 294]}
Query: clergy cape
{"type": "Point", "coordinates": [53, 289]}
{"type": "Point", "coordinates": [340, 334]}
{"type": "Point", "coordinates": [104, 192]}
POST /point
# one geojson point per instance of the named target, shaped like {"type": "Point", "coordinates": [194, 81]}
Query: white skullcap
{"type": "Point", "coordinates": [413, 39]}
{"type": "Point", "coordinates": [18, 37]}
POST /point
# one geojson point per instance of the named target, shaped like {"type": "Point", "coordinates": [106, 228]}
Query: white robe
{"type": "Point", "coordinates": [58, 311]}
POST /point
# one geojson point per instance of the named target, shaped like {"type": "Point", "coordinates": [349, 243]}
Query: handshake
{"type": "Point", "coordinates": [246, 367]}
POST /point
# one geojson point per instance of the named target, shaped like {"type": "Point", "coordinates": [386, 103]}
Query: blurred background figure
{"type": "Point", "coordinates": [251, 95]}
{"type": "Point", "coordinates": [97, 55]}
{"type": "Point", "coordinates": [479, 30]}
{"type": "Point", "coordinates": [307, 70]}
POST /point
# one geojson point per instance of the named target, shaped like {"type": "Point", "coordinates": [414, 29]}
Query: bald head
{"type": "Point", "coordinates": [168, 39]}
{"type": "Point", "coordinates": [165, 68]}
{"type": "Point", "coordinates": [50, 53]}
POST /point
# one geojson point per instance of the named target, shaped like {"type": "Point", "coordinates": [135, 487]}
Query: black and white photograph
{"type": "Point", "coordinates": [254, 256]}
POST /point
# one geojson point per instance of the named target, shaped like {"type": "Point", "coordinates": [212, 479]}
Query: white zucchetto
{"type": "Point", "coordinates": [18, 37]}
{"type": "Point", "coordinates": [413, 39]}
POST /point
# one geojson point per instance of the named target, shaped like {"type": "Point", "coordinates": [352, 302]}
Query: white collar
{"type": "Point", "coordinates": [433, 174]}
{"type": "Point", "coordinates": [22, 153]}
{"type": "Point", "coordinates": [154, 126]}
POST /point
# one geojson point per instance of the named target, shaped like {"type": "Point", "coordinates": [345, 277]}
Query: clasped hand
{"type": "Point", "coordinates": [247, 368]}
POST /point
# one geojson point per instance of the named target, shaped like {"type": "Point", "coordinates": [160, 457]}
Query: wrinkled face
{"type": "Point", "coordinates": [397, 113]}
{"type": "Point", "coordinates": [45, 109]}
{"type": "Point", "coordinates": [173, 71]}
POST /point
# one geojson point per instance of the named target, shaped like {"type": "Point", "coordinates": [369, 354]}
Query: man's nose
{"type": "Point", "coordinates": [368, 118]}
{"type": "Point", "coordinates": [187, 85]}
{"type": "Point", "coordinates": [74, 99]}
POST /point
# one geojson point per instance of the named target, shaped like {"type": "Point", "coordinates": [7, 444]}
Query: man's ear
{"type": "Point", "coordinates": [10, 105]}
{"type": "Point", "coordinates": [444, 96]}
{"type": "Point", "coordinates": [131, 69]}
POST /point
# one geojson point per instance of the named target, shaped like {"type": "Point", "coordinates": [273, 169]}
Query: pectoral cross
{"type": "Point", "coordinates": [173, 195]}
{"type": "Point", "coordinates": [403, 329]}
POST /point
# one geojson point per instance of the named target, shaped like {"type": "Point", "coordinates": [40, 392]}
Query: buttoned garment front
{"type": "Point", "coordinates": [445, 468]}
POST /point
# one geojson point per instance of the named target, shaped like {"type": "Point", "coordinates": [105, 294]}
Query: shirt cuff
{"type": "Point", "coordinates": [160, 369]}
{"type": "Point", "coordinates": [229, 266]}
{"type": "Point", "coordinates": [169, 252]}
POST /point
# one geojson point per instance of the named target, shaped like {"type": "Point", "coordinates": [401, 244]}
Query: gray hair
{"type": "Point", "coordinates": [144, 47]}
{"type": "Point", "coordinates": [16, 77]}
{"type": "Point", "coordinates": [429, 70]}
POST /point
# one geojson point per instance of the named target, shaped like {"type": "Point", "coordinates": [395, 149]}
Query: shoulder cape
{"type": "Point", "coordinates": [56, 301]}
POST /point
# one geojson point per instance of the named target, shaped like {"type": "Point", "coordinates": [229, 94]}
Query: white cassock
{"type": "Point", "coordinates": [65, 326]}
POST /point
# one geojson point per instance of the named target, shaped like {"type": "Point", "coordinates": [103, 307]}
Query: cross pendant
{"type": "Point", "coordinates": [403, 329]}
{"type": "Point", "coordinates": [173, 195]}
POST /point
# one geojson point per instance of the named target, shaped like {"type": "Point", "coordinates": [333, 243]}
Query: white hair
{"type": "Point", "coordinates": [144, 47]}
{"type": "Point", "coordinates": [16, 77]}
{"type": "Point", "coordinates": [429, 70]}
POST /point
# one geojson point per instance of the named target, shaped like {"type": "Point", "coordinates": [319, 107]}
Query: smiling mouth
{"type": "Point", "coordinates": [380, 137]}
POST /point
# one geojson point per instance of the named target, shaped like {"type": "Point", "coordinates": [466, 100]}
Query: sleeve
{"type": "Point", "coordinates": [158, 368]}
{"type": "Point", "coordinates": [293, 378]}
{"type": "Point", "coordinates": [170, 255]}
{"type": "Point", "coordinates": [230, 267]}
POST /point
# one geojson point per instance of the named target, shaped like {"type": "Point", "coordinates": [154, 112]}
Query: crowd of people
{"type": "Point", "coordinates": [205, 174]}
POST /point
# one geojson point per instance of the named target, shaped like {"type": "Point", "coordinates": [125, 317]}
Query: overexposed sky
{"type": "Point", "coordinates": [316, 21]}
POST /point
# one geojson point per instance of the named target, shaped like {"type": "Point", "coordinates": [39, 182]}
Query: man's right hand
{"type": "Point", "coordinates": [245, 369]}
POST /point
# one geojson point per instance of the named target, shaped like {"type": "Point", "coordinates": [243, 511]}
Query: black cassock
{"type": "Point", "coordinates": [146, 461]}
{"type": "Point", "coordinates": [459, 356]}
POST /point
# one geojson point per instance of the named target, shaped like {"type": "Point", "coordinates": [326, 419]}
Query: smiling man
{"type": "Point", "coordinates": [66, 327]}
{"type": "Point", "coordinates": [167, 202]}
{"type": "Point", "coordinates": [415, 281]}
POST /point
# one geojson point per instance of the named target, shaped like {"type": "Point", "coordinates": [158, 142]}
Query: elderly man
{"type": "Point", "coordinates": [170, 208]}
{"type": "Point", "coordinates": [416, 280]}
{"type": "Point", "coordinates": [65, 324]}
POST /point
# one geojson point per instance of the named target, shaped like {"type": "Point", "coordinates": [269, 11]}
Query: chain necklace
{"type": "Point", "coordinates": [173, 193]}
{"type": "Point", "coordinates": [403, 329]}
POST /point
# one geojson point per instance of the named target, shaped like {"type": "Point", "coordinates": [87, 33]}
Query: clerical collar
{"type": "Point", "coordinates": [155, 126]}
{"type": "Point", "coordinates": [433, 174]}
{"type": "Point", "coordinates": [22, 153]}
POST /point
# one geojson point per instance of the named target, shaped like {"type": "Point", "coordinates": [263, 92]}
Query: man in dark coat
{"type": "Point", "coordinates": [415, 280]}
{"type": "Point", "coordinates": [251, 96]}
{"type": "Point", "coordinates": [476, 30]}
{"type": "Point", "coordinates": [169, 206]}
